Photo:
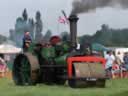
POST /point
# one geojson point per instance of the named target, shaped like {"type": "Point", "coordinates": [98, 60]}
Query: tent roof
{"type": "Point", "coordinates": [99, 47]}
{"type": "Point", "coordinates": [9, 49]}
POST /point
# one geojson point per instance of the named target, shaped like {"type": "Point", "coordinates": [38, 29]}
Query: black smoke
{"type": "Point", "coordinates": [80, 6]}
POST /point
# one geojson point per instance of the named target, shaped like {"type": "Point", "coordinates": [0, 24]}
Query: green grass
{"type": "Point", "coordinates": [113, 88]}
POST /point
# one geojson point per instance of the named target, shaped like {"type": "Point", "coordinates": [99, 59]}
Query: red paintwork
{"type": "Point", "coordinates": [70, 61]}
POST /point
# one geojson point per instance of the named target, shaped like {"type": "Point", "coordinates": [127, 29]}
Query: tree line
{"type": "Point", "coordinates": [108, 37]}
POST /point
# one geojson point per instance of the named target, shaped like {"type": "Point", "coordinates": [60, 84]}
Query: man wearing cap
{"type": "Point", "coordinates": [26, 41]}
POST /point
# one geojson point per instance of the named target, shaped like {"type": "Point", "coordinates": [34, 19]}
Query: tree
{"type": "Point", "coordinates": [39, 23]}
{"type": "Point", "coordinates": [38, 15]}
{"type": "Point", "coordinates": [31, 27]}
{"type": "Point", "coordinates": [47, 35]}
{"type": "Point", "coordinates": [2, 39]}
{"type": "Point", "coordinates": [65, 36]}
{"type": "Point", "coordinates": [85, 39]}
{"type": "Point", "coordinates": [38, 27]}
{"type": "Point", "coordinates": [104, 27]}
{"type": "Point", "coordinates": [25, 15]}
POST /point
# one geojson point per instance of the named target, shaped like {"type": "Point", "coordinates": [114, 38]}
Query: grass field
{"type": "Point", "coordinates": [113, 88]}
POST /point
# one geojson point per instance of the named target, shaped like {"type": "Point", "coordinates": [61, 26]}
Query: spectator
{"type": "Point", "coordinates": [116, 70]}
{"type": "Point", "coordinates": [3, 68]}
{"type": "Point", "coordinates": [119, 58]}
{"type": "Point", "coordinates": [109, 63]}
{"type": "Point", "coordinates": [125, 58]}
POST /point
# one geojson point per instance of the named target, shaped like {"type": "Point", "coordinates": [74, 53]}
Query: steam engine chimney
{"type": "Point", "coordinates": [73, 30]}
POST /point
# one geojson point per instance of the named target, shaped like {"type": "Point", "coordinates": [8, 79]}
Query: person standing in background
{"type": "Point", "coordinates": [119, 58]}
{"type": "Point", "coordinates": [109, 63]}
{"type": "Point", "coordinates": [125, 58]}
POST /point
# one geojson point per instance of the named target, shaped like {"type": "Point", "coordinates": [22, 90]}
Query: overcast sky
{"type": "Point", "coordinates": [51, 10]}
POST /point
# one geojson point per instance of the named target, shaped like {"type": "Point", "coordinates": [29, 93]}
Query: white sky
{"type": "Point", "coordinates": [51, 10]}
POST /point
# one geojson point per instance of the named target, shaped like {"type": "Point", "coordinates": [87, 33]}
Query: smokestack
{"type": "Point", "coordinates": [73, 30]}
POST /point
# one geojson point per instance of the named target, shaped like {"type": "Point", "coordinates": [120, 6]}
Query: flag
{"type": "Point", "coordinates": [65, 16]}
{"type": "Point", "coordinates": [62, 20]}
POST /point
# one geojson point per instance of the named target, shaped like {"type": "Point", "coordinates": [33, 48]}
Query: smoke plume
{"type": "Point", "coordinates": [80, 6]}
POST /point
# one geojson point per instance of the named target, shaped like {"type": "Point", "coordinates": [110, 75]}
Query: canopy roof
{"type": "Point", "coordinates": [9, 49]}
{"type": "Point", "coordinates": [99, 47]}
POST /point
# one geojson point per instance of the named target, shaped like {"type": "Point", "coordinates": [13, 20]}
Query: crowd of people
{"type": "Point", "coordinates": [116, 65]}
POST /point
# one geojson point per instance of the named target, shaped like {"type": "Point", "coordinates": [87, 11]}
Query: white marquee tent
{"type": "Point", "coordinates": [9, 49]}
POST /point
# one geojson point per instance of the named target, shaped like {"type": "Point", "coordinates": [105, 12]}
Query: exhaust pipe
{"type": "Point", "coordinates": [73, 30]}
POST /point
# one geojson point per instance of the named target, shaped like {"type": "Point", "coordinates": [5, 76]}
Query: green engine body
{"type": "Point", "coordinates": [57, 53]}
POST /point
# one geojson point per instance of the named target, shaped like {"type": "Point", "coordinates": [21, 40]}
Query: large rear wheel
{"type": "Point", "coordinates": [25, 69]}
